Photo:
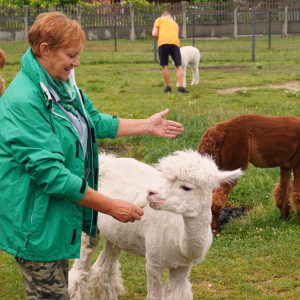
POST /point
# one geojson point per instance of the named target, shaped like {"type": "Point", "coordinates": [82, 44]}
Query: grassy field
{"type": "Point", "coordinates": [212, 49]}
{"type": "Point", "coordinates": [255, 257]}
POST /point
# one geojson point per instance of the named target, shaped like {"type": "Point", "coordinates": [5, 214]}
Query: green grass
{"type": "Point", "coordinates": [255, 257]}
{"type": "Point", "coordinates": [212, 49]}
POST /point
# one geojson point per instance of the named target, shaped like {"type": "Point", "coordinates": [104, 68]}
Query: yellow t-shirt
{"type": "Point", "coordinates": [168, 32]}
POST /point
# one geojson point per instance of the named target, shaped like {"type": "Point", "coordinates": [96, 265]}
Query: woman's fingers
{"type": "Point", "coordinates": [125, 211]}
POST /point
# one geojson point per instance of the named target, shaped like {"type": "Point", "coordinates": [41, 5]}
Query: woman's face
{"type": "Point", "coordinates": [61, 61]}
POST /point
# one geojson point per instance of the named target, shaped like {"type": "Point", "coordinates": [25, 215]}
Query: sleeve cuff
{"type": "Point", "coordinates": [114, 128]}
{"type": "Point", "coordinates": [76, 188]}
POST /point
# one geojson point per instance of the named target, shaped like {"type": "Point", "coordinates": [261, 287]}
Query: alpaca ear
{"type": "Point", "coordinates": [228, 176]}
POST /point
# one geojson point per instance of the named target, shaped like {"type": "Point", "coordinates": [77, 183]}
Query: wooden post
{"type": "Point", "coordinates": [285, 18]}
{"type": "Point", "coordinates": [132, 32]}
{"type": "Point", "coordinates": [183, 19]}
{"type": "Point", "coordinates": [25, 9]}
{"type": "Point", "coordinates": [235, 23]}
{"type": "Point", "coordinates": [79, 13]}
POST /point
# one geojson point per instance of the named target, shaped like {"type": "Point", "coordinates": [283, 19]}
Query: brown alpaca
{"type": "Point", "coordinates": [2, 64]}
{"type": "Point", "coordinates": [266, 142]}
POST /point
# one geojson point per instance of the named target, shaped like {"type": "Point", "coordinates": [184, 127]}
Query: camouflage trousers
{"type": "Point", "coordinates": [45, 280]}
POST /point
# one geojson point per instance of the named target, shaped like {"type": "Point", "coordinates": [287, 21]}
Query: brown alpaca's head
{"type": "Point", "coordinates": [2, 59]}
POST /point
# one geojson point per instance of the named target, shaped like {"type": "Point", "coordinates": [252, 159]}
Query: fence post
{"type": "Point", "coordinates": [115, 18]}
{"type": "Point", "coordinates": [270, 17]}
{"type": "Point", "coordinates": [132, 33]}
{"type": "Point", "coordinates": [183, 19]}
{"type": "Point", "coordinates": [235, 23]}
{"type": "Point", "coordinates": [285, 18]}
{"type": "Point", "coordinates": [253, 34]}
{"type": "Point", "coordinates": [193, 30]}
{"type": "Point", "coordinates": [25, 10]}
{"type": "Point", "coordinates": [154, 39]}
{"type": "Point", "coordinates": [79, 13]}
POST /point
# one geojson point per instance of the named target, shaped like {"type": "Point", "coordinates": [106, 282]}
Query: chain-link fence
{"type": "Point", "coordinates": [231, 31]}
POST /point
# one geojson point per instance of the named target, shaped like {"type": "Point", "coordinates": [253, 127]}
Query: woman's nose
{"type": "Point", "coordinates": [75, 61]}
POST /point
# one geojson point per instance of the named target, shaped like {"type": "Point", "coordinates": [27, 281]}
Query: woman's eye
{"type": "Point", "coordinates": [185, 188]}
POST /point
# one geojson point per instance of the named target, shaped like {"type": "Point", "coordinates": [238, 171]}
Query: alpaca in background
{"type": "Point", "coordinates": [190, 56]}
{"type": "Point", "coordinates": [2, 64]}
{"type": "Point", "coordinates": [264, 141]}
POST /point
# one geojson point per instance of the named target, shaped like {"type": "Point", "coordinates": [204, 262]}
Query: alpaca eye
{"type": "Point", "coordinates": [185, 188]}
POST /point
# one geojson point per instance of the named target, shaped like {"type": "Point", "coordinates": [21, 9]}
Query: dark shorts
{"type": "Point", "coordinates": [169, 49]}
{"type": "Point", "coordinates": [45, 280]}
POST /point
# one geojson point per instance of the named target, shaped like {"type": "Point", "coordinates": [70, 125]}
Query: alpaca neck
{"type": "Point", "coordinates": [196, 236]}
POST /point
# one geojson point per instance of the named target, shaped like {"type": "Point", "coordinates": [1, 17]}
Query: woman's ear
{"type": "Point", "coordinates": [44, 50]}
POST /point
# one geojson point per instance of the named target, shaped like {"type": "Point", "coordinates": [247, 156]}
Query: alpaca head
{"type": "Point", "coordinates": [188, 181]}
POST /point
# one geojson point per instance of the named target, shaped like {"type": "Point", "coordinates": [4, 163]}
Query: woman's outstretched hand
{"type": "Point", "coordinates": [160, 127]}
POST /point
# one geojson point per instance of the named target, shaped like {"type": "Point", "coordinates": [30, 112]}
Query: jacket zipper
{"type": "Point", "coordinates": [91, 142]}
{"type": "Point", "coordinates": [27, 236]}
{"type": "Point", "coordinates": [92, 162]}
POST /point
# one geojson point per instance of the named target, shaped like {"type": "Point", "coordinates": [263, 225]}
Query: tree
{"type": "Point", "coordinates": [37, 3]}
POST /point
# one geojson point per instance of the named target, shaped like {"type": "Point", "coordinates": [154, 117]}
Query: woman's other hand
{"type": "Point", "coordinates": [121, 210]}
{"type": "Point", "coordinates": [125, 211]}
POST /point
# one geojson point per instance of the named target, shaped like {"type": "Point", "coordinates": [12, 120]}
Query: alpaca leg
{"type": "Point", "coordinates": [219, 200]}
{"type": "Point", "coordinates": [282, 193]}
{"type": "Point", "coordinates": [106, 281]}
{"type": "Point", "coordinates": [184, 76]}
{"type": "Point", "coordinates": [178, 286]}
{"type": "Point", "coordinates": [296, 190]}
{"type": "Point", "coordinates": [195, 71]}
{"type": "Point", "coordinates": [154, 282]}
{"type": "Point", "coordinates": [79, 274]}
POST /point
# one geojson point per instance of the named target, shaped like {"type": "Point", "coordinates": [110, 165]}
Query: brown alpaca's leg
{"type": "Point", "coordinates": [219, 200]}
{"type": "Point", "coordinates": [282, 193]}
{"type": "Point", "coordinates": [296, 190]}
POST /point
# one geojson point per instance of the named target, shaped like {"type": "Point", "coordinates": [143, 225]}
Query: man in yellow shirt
{"type": "Point", "coordinates": [167, 32]}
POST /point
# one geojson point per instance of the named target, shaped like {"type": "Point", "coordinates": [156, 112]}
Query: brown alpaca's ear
{"type": "Point", "coordinates": [2, 59]}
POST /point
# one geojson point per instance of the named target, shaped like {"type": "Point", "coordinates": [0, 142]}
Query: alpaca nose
{"type": "Point", "coordinates": [151, 192]}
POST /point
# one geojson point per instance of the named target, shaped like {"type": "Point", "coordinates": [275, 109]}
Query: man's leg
{"type": "Point", "coordinates": [166, 75]}
{"type": "Point", "coordinates": [163, 52]}
{"type": "Point", "coordinates": [45, 280]}
{"type": "Point", "coordinates": [179, 75]}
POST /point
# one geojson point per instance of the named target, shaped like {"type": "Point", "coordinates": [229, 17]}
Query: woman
{"type": "Point", "coordinates": [49, 158]}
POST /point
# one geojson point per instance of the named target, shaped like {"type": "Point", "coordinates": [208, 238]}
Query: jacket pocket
{"type": "Point", "coordinates": [30, 224]}
{"type": "Point", "coordinates": [73, 237]}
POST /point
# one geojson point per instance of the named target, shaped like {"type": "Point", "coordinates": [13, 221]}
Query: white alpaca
{"type": "Point", "coordinates": [174, 231]}
{"type": "Point", "coordinates": [190, 56]}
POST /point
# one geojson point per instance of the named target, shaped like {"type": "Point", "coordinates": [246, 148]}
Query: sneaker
{"type": "Point", "coordinates": [168, 89]}
{"type": "Point", "coordinates": [182, 90]}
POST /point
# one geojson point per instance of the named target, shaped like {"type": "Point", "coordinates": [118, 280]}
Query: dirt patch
{"type": "Point", "coordinates": [293, 86]}
{"type": "Point", "coordinates": [223, 68]}
{"type": "Point", "coordinates": [205, 68]}
{"type": "Point", "coordinates": [112, 148]}
{"type": "Point", "coordinates": [202, 68]}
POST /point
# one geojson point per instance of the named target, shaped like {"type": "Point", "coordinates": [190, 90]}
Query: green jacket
{"type": "Point", "coordinates": [42, 169]}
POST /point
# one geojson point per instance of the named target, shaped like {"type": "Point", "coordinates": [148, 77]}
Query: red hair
{"type": "Point", "coordinates": [55, 29]}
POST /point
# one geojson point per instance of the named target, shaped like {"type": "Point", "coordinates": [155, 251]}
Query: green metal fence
{"type": "Point", "coordinates": [211, 49]}
{"type": "Point", "coordinates": [221, 32]}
